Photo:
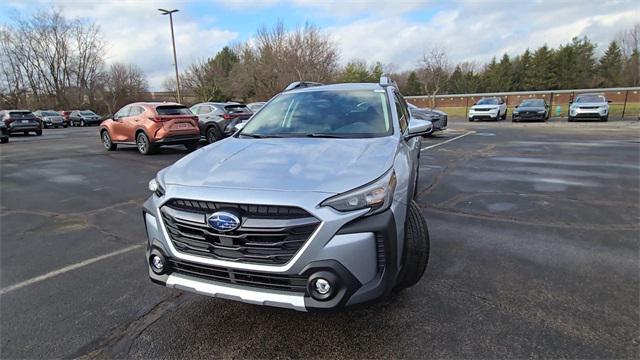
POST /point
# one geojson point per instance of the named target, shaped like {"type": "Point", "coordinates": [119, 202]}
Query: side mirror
{"type": "Point", "coordinates": [571, 102]}
{"type": "Point", "coordinates": [609, 101]}
{"type": "Point", "coordinates": [240, 126]}
{"type": "Point", "coordinates": [418, 127]}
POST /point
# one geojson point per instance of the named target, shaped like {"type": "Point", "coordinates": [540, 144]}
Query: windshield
{"type": "Point", "coordinates": [533, 102]}
{"type": "Point", "coordinates": [50, 113]}
{"type": "Point", "coordinates": [20, 114]}
{"type": "Point", "coordinates": [237, 109]}
{"type": "Point", "coordinates": [87, 112]}
{"type": "Point", "coordinates": [590, 99]}
{"type": "Point", "coordinates": [491, 101]}
{"type": "Point", "coordinates": [173, 110]}
{"type": "Point", "coordinates": [351, 113]}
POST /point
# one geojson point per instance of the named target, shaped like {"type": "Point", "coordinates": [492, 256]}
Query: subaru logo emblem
{"type": "Point", "coordinates": [223, 221]}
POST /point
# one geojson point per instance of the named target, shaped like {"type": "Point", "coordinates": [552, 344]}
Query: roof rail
{"type": "Point", "coordinates": [385, 80]}
{"type": "Point", "coordinates": [301, 84]}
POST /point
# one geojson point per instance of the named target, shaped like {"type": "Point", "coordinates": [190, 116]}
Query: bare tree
{"type": "Point", "coordinates": [57, 60]}
{"type": "Point", "coordinates": [122, 84]}
{"type": "Point", "coordinates": [434, 72]}
{"type": "Point", "coordinates": [629, 40]}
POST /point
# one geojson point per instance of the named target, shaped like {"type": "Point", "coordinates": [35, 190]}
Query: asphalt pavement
{"type": "Point", "coordinates": [535, 249]}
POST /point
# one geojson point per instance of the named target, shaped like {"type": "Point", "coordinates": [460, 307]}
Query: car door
{"type": "Point", "coordinates": [133, 121]}
{"type": "Point", "coordinates": [409, 149]}
{"type": "Point", "coordinates": [119, 126]}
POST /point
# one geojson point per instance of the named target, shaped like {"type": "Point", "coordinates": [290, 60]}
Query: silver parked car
{"type": "Point", "coordinates": [50, 118]}
{"type": "Point", "coordinates": [589, 106]}
{"type": "Point", "coordinates": [488, 108]}
{"type": "Point", "coordinates": [309, 206]}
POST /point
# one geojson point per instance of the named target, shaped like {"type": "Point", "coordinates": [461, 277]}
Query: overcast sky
{"type": "Point", "coordinates": [395, 32]}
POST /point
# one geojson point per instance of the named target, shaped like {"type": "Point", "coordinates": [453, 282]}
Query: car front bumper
{"type": "Point", "coordinates": [484, 115]}
{"type": "Point", "coordinates": [588, 113]}
{"type": "Point", "coordinates": [359, 253]}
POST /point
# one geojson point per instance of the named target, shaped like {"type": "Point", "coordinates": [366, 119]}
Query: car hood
{"type": "Point", "coordinates": [530, 108]}
{"type": "Point", "coordinates": [53, 117]}
{"type": "Point", "coordinates": [590, 104]}
{"type": "Point", "coordinates": [475, 107]}
{"type": "Point", "coordinates": [285, 164]}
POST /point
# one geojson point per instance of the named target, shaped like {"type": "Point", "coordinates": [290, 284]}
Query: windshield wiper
{"type": "Point", "coordinates": [326, 135]}
{"type": "Point", "coordinates": [260, 136]}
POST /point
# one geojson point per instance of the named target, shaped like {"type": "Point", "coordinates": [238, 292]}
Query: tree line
{"type": "Point", "coordinates": [48, 61]}
{"type": "Point", "coordinates": [275, 58]}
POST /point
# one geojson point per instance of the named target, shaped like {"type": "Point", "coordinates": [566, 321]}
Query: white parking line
{"type": "Point", "coordinates": [66, 269]}
{"type": "Point", "coordinates": [447, 141]}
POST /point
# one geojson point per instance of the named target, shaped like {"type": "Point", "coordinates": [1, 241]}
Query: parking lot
{"type": "Point", "coordinates": [534, 253]}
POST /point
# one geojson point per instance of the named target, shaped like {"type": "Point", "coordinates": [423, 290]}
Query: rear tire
{"type": "Point", "coordinates": [191, 146]}
{"type": "Point", "coordinates": [144, 145]}
{"type": "Point", "coordinates": [212, 134]}
{"type": "Point", "coordinates": [415, 255]}
{"type": "Point", "coordinates": [106, 141]}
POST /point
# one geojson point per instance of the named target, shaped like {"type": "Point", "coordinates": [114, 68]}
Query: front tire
{"type": "Point", "coordinates": [144, 145]}
{"type": "Point", "coordinates": [504, 116]}
{"type": "Point", "coordinates": [4, 140]}
{"type": "Point", "coordinates": [415, 255]}
{"type": "Point", "coordinates": [106, 141]}
{"type": "Point", "coordinates": [605, 118]}
{"type": "Point", "coordinates": [38, 132]}
{"type": "Point", "coordinates": [82, 123]}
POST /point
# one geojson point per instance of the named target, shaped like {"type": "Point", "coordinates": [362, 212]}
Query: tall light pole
{"type": "Point", "coordinates": [173, 41]}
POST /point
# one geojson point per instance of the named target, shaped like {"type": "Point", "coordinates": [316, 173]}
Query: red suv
{"type": "Point", "coordinates": [150, 125]}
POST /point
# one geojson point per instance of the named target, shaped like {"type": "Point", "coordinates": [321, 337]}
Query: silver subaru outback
{"type": "Point", "coordinates": [309, 206]}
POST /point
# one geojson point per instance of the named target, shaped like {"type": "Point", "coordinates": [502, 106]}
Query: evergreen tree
{"type": "Point", "coordinates": [521, 71]}
{"type": "Point", "coordinates": [413, 87]}
{"type": "Point", "coordinates": [376, 72]}
{"type": "Point", "coordinates": [542, 72]}
{"type": "Point", "coordinates": [504, 74]}
{"type": "Point", "coordinates": [632, 69]}
{"type": "Point", "coordinates": [611, 66]}
{"type": "Point", "coordinates": [355, 71]}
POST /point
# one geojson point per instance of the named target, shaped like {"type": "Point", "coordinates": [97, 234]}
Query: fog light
{"type": "Point", "coordinates": [157, 264]}
{"type": "Point", "coordinates": [322, 286]}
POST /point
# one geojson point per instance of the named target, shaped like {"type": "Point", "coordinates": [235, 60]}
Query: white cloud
{"type": "Point", "coordinates": [477, 31]}
{"type": "Point", "coordinates": [136, 32]}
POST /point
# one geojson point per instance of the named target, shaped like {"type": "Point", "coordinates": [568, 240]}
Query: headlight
{"type": "Point", "coordinates": [516, 112]}
{"type": "Point", "coordinates": [377, 195]}
{"type": "Point", "coordinates": [156, 188]}
{"type": "Point", "coordinates": [541, 112]}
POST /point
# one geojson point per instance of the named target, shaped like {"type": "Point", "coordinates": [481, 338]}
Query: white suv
{"type": "Point", "coordinates": [489, 108]}
{"type": "Point", "coordinates": [589, 106]}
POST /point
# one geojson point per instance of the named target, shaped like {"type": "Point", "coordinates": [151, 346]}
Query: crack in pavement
{"type": "Point", "coordinates": [117, 344]}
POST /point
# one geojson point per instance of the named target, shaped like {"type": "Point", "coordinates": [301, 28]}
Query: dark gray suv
{"type": "Point", "coordinates": [310, 206]}
{"type": "Point", "coordinates": [217, 120]}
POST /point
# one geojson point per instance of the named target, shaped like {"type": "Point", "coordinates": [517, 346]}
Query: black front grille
{"type": "Point", "coordinates": [275, 241]}
{"type": "Point", "coordinates": [240, 277]}
{"type": "Point", "coordinates": [259, 211]}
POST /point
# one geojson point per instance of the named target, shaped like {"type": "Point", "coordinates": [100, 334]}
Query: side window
{"type": "Point", "coordinates": [204, 110]}
{"type": "Point", "coordinates": [403, 112]}
{"type": "Point", "coordinates": [124, 112]}
{"type": "Point", "coordinates": [136, 110]}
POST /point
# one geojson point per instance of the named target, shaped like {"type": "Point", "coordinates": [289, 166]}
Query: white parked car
{"type": "Point", "coordinates": [488, 108]}
{"type": "Point", "coordinates": [589, 106]}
